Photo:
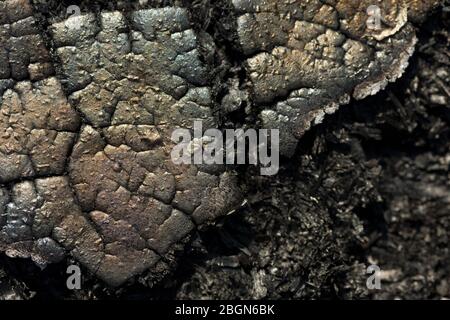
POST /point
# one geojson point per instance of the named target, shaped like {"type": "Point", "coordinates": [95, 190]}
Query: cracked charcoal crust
{"type": "Point", "coordinates": [121, 207]}
{"type": "Point", "coordinates": [88, 104]}
{"type": "Point", "coordinates": [305, 58]}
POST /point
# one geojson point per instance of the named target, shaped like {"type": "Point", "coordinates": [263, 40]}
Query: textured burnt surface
{"type": "Point", "coordinates": [305, 58]}
{"type": "Point", "coordinates": [87, 170]}
{"type": "Point", "coordinates": [88, 105]}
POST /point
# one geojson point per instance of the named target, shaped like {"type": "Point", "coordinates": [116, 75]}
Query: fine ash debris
{"type": "Point", "coordinates": [88, 104]}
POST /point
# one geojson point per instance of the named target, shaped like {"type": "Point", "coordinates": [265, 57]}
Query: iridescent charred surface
{"type": "Point", "coordinates": [90, 173]}
{"type": "Point", "coordinates": [305, 58]}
